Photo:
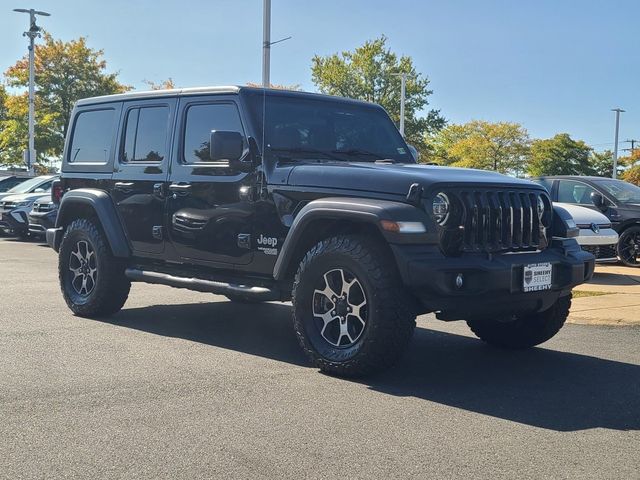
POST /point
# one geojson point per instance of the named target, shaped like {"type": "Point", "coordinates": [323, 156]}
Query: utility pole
{"type": "Point", "coordinates": [633, 143]}
{"type": "Point", "coordinates": [615, 144]}
{"type": "Point", "coordinates": [32, 33]}
{"type": "Point", "coordinates": [266, 44]}
{"type": "Point", "coordinates": [403, 94]}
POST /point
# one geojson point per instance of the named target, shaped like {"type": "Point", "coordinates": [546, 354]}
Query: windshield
{"type": "Point", "coordinates": [26, 186]}
{"type": "Point", "coordinates": [308, 128]}
{"type": "Point", "coordinates": [623, 192]}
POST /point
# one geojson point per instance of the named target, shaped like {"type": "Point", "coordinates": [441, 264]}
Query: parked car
{"type": "Point", "coordinates": [263, 195]}
{"type": "Point", "coordinates": [42, 216]}
{"type": "Point", "coordinates": [618, 200]}
{"type": "Point", "coordinates": [7, 182]}
{"type": "Point", "coordinates": [596, 235]}
{"type": "Point", "coordinates": [38, 184]}
{"type": "Point", "coordinates": [15, 208]}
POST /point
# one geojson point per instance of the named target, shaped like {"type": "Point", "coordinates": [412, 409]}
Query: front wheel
{"type": "Point", "coordinates": [350, 312]}
{"type": "Point", "coordinates": [523, 331]}
{"type": "Point", "coordinates": [629, 247]}
{"type": "Point", "coordinates": [92, 280]}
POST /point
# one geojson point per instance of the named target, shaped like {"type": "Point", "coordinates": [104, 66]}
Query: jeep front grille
{"type": "Point", "coordinates": [493, 220]}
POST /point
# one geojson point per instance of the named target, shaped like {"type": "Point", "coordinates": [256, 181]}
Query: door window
{"type": "Point", "coordinates": [146, 134]}
{"type": "Point", "coordinates": [200, 121]}
{"type": "Point", "coordinates": [570, 191]}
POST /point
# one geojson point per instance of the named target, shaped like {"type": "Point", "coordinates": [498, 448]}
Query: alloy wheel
{"type": "Point", "coordinates": [83, 266]}
{"type": "Point", "coordinates": [630, 248]}
{"type": "Point", "coordinates": [340, 308]}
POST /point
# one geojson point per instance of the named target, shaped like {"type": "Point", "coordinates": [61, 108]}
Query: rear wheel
{"type": "Point", "coordinates": [350, 312]}
{"type": "Point", "coordinates": [629, 247]}
{"type": "Point", "coordinates": [91, 278]}
{"type": "Point", "coordinates": [523, 331]}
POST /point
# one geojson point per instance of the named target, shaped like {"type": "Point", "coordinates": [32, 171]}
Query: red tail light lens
{"type": "Point", "coordinates": [56, 192]}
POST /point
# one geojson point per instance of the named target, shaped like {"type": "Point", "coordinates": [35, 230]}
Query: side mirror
{"type": "Point", "coordinates": [39, 190]}
{"type": "Point", "coordinates": [598, 200]}
{"type": "Point", "coordinates": [225, 146]}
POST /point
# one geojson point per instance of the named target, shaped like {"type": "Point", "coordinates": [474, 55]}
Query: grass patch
{"type": "Point", "coordinates": [588, 293]}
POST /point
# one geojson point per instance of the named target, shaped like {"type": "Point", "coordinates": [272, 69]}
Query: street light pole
{"type": "Point", "coordinates": [403, 94]}
{"type": "Point", "coordinates": [32, 33]}
{"type": "Point", "coordinates": [615, 144]}
{"type": "Point", "coordinates": [266, 43]}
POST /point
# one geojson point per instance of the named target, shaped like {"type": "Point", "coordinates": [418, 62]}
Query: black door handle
{"type": "Point", "coordinates": [123, 186]}
{"type": "Point", "coordinates": [180, 188]}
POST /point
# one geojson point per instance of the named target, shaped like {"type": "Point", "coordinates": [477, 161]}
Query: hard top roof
{"type": "Point", "coordinates": [232, 89]}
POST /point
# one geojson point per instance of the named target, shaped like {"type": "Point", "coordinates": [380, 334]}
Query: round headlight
{"type": "Point", "coordinates": [441, 208]}
{"type": "Point", "coordinates": [540, 207]}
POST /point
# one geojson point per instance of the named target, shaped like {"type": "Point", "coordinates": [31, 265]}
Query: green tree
{"type": "Point", "coordinates": [370, 73]}
{"type": "Point", "coordinates": [65, 73]}
{"type": "Point", "coordinates": [560, 155]}
{"type": "Point", "coordinates": [502, 146]}
{"type": "Point", "coordinates": [602, 163]}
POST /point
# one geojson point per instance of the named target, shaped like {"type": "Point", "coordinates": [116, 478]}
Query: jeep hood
{"type": "Point", "coordinates": [394, 178]}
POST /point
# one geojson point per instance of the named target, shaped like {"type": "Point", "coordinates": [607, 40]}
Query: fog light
{"type": "Point", "coordinates": [459, 281]}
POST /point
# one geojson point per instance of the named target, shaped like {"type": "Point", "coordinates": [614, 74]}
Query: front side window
{"type": "Point", "coordinates": [623, 192]}
{"type": "Point", "coordinates": [91, 141]}
{"type": "Point", "coordinates": [570, 191]}
{"type": "Point", "coordinates": [145, 134]}
{"type": "Point", "coordinates": [200, 121]}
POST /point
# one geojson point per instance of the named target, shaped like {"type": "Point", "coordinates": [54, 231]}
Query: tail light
{"type": "Point", "coordinates": [57, 191]}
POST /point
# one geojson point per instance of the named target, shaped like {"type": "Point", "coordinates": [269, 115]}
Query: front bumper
{"type": "Point", "coordinates": [39, 222]}
{"type": "Point", "coordinates": [492, 284]}
{"type": "Point", "coordinates": [13, 220]}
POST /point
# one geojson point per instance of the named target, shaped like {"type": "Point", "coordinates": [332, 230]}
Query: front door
{"type": "Point", "coordinates": [140, 180]}
{"type": "Point", "coordinates": [210, 207]}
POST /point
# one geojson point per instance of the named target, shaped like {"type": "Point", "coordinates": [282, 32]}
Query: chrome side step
{"type": "Point", "coordinates": [202, 285]}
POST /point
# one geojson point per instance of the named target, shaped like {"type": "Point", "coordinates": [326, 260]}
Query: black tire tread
{"type": "Point", "coordinates": [388, 338]}
{"type": "Point", "coordinates": [620, 242]}
{"type": "Point", "coordinates": [113, 290]}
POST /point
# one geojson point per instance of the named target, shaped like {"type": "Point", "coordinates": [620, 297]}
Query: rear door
{"type": "Point", "coordinates": [140, 174]}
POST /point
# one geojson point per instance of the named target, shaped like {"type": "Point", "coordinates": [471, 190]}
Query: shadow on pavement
{"type": "Point", "coordinates": [606, 278]}
{"type": "Point", "coordinates": [544, 388]}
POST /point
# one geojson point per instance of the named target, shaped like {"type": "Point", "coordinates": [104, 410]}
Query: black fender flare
{"type": "Point", "coordinates": [102, 204]}
{"type": "Point", "coordinates": [362, 210]}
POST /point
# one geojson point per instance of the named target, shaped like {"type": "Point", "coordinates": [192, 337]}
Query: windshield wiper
{"type": "Point", "coordinates": [358, 152]}
{"type": "Point", "coordinates": [314, 151]}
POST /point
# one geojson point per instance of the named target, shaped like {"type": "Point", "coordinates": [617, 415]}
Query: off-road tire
{"type": "Point", "coordinates": [111, 288]}
{"type": "Point", "coordinates": [526, 330]}
{"type": "Point", "coordinates": [390, 311]}
{"type": "Point", "coordinates": [626, 252]}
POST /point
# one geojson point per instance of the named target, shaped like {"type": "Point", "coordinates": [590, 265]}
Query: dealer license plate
{"type": "Point", "coordinates": [536, 277]}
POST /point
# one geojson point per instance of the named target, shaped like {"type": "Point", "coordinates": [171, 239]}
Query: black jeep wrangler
{"type": "Point", "coordinates": [264, 195]}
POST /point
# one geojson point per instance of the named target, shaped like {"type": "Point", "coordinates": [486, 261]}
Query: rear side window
{"type": "Point", "coordinates": [201, 120]}
{"type": "Point", "coordinates": [146, 134]}
{"type": "Point", "coordinates": [91, 141]}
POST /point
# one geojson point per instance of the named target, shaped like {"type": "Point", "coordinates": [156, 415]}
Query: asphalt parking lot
{"type": "Point", "coordinates": [188, 385]}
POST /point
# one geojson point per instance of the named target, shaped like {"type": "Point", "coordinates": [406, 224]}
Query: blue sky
{"type": "Point", "coordinates": [554, 66]}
